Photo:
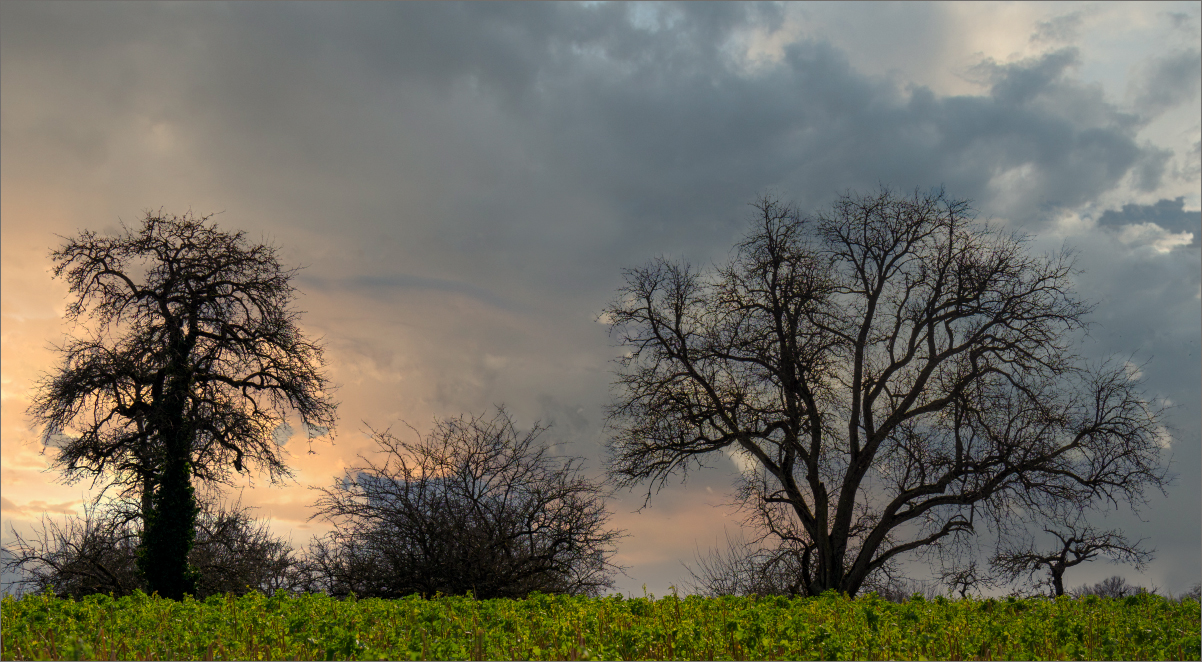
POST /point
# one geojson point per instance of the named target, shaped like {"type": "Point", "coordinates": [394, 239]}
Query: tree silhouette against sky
{"type": "Point", "coordinates": [191, 363]}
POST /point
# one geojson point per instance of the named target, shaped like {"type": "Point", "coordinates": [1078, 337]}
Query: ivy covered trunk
{"type": "Point", "coordinates": [171, 527]}
{"type": "Point", "coordinates": [170, 532]}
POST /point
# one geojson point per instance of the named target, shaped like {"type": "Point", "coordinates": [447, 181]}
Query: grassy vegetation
{"type": "Point", "coordinates": [548, 627]}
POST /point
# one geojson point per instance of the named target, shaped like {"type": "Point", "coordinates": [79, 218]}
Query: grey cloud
{"type": "Point", "coordinates": [1168, 214]}
{"type": "Point", "coordinates": [1191, 169]}
{"type": "Point", "coordinates": [1148, 171]}
{"type": "Point", "coordinates": [1184, 22]}
{"type": "Point", "coordinates": [1059, 29]}
{"type": "Point", "coordinates": [506, 128]}
{"type": "Point", "coordinates": [566, 418]}
{"type": "Point", "coordinates": [384, 284]}
{"type": "Point", "coordinates": [1167, 82]}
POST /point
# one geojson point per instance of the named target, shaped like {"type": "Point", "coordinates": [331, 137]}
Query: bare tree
{"type": "Point", "coordinates": [892, 369]}
{"type": "Point", "coordinates": [1073, 546]}
{"type": "Point", "coordinates": [193, 362]}
{"type": "Point", "coordinates": [97, 553]}
{"type": "Point", "coordinates": [236, 553]}
{"type": "Point", "coordinates": [968, 578]}
{"type": "Point", "coordinates": [473, 506]}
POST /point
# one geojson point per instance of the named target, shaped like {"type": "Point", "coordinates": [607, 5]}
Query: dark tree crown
{"type": "Point", "coordinates": [178, 303]}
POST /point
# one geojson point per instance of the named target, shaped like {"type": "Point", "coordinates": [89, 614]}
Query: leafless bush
{"type": "Point", "coordinates": [97, 553]}
{"type": "Point", "coordinates": [903, 589]}
{"type": "Point", "coordinates": [236, 553]}
{"type": "Point", "coordinates": [1111, 587]}
{"type": "Point", "coordinates": [749, 567]}
{"type": "Point", "coordinates": [746, 568]}
{"type": "Point", "coordinates": [473, 506]}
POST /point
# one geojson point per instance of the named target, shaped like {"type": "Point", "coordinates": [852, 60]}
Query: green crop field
{"type": "Point", "coordinates": [550, 627]}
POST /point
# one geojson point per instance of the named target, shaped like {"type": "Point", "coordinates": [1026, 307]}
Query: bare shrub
{"type": "Point", "coordinates": [98, 552]}
{"type": "Point", "coordinates": [473, 506]}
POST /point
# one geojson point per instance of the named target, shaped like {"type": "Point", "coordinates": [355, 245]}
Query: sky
{"type": "Point", "coordinates": [464, 184]}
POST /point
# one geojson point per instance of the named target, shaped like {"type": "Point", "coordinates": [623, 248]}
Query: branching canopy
{"type": "Point", "coordinates": [894, 369]}
{"type": "Point", "coordinates": [189, 324]}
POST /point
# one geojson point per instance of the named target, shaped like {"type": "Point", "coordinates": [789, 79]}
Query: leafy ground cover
{"type": "Point", "coordinates": [549, 627]}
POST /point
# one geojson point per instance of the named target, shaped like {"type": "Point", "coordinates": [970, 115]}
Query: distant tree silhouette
{"type": "Point", "coordinates": [473, 506]}
{"type": "Point", "coordinates": [1074, 546]}
{"type": "Point", "coordinates": [191, 365]}
{"type": "Point", "coordinates": [894, 371]}
{"type": "Point", "coordinates": [1111, 587]}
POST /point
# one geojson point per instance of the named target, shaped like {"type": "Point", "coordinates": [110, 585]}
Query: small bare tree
{"type": "Point", "coordinates": [969, 578]}
{"type": "Point", "coordinates": [98, 553]}
{"type": "Point", "coordinates": [193, 361]}
{"type": "Point", "coordinates": [894, 371]}
{"type": "Point", "coordinates": [1073, 546]}
{"type": "Point", "coordinates": [237, 553]}
{"type": "Point", "coordinates": [473, 506]}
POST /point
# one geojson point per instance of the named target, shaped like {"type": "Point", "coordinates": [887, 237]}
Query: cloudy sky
{"type": "Point", "coordinates": [465, 183]}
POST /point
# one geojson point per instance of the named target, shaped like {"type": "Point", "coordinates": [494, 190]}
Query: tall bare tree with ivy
{"type": "Point", "coordinates": [189, 365]}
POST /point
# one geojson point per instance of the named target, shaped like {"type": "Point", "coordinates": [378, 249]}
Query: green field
{"type": "Point", "coordinates": [542, 627]}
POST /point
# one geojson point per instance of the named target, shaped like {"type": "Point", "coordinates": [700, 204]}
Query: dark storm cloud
{"type": "Point", "coordinates": [1168, 214]}
{"type": "Point", "coordinates": [498, 129]}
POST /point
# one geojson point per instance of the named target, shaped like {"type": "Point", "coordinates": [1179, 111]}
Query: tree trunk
{"type": "Point", "coordinates": [1058, 580]}
{"type": "Point", "coordinates": [169, 532]}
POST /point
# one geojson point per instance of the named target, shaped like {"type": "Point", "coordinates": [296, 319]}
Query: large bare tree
{"type": "Point", "coordinates": [192, 362]}
{"type": "Point", "coordinates": [473, 506]}
{"type": "Point", "coordinates": [894, 371]}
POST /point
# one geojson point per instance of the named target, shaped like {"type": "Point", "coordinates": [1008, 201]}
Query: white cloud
{"type": "Point", "coordinates": [1153, 236]}
{"type": "Point", "coordinates": [1163, 437]}
{"type": "Point", "coordinates": [743, 461]}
